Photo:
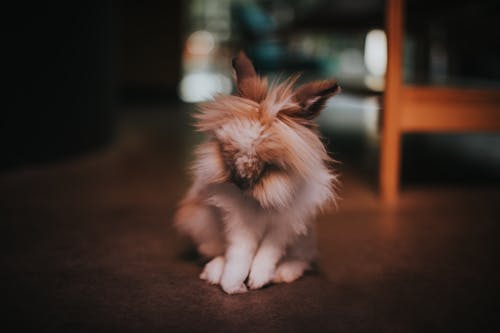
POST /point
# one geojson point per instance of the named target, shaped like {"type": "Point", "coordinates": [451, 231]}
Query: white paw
{"type": "Point", "coordinates": [213, 270]}
{"type": "Point", "coordinates": [260, 276]}
{"type": "Point", "coordinates": [234, 288]}
{"type": "Point", "coordinates": [232, 282]}
{"type": "Point", "coordinates": [290, 271]}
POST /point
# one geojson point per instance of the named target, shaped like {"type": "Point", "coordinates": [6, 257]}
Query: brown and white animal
{"type": "Point", "coordinates": [260, 178]}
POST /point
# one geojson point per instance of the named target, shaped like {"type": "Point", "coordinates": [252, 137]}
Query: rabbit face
{"type": "Point", "coordinates": [264, 140]}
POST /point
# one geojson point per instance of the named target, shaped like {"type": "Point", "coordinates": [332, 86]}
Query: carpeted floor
{"type": "Point", "coordinates": [88, 247]}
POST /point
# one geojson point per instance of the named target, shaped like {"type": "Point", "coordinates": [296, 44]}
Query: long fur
{"type": "Point", "coordinates": [260, 178]}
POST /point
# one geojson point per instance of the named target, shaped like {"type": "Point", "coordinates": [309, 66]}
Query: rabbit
{"type": "Point", "coordinates": [260, 178]}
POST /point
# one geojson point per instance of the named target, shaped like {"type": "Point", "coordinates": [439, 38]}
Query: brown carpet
{"type": "Point", "coordinates": [88, 247]}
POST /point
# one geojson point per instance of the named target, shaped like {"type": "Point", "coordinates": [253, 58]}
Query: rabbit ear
{"type": "Point", "coordinates": [248, 83]}
{"type": "Point", "coordinates": [312, 97]}
{"type": "Point", "coordinates": [243, 67]}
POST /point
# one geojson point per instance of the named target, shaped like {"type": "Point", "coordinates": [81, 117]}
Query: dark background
{"type": "Point", "coordinates": [69, 67]}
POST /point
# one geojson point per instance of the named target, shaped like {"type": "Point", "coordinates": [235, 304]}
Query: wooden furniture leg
{"type": "Point", "coordinates": [391, 133]}
{"type": "Point", "coordinates": [423, 109]}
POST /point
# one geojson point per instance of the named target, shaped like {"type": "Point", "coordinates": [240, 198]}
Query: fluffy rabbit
{"type": "Point", "coordinates": [260, 177]}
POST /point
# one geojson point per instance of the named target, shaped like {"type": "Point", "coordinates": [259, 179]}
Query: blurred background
{"type": "Point", "coordinates": [73, 72]}
{"type": "Point", "coordinates": [96, 136]}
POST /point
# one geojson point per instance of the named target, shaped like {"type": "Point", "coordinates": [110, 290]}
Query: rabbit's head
{"type": "Point", "coordinates": [263, 140]}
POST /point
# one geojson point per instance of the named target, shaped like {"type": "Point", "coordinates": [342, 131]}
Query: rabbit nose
{"type": "Point", "coordinates": [246, 171]}
{"type": "Point", "coordinates": [243, 183]}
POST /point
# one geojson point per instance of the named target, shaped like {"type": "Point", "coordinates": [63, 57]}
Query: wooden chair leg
{"type": "Point", "coordinates": [391, 133]}
{"type": "Point", "coordinates": [390, 166]}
